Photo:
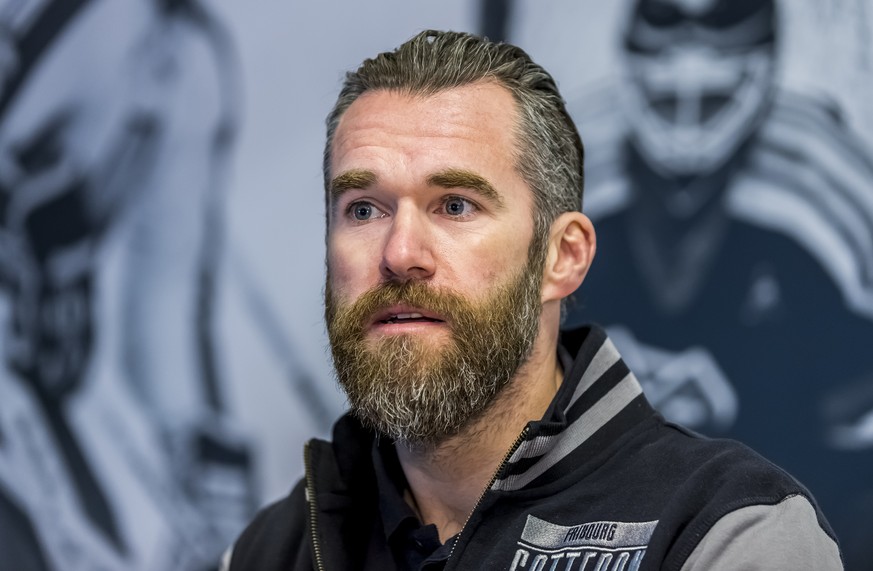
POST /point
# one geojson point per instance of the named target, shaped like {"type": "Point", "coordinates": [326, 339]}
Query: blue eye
{"type": "Point", "coordinates": [362, 211]}
{"type": "Point", "coordinates": [457, 206]}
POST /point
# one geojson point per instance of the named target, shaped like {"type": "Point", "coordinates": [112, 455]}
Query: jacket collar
{"type": "Point", "coordinates": [598, 400]}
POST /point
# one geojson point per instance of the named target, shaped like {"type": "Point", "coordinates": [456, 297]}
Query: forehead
{"type": "Point", "coordinates": [474, 123]}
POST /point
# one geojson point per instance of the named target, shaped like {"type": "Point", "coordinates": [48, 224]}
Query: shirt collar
{"type": "Point", "coordinates": [391, 483]}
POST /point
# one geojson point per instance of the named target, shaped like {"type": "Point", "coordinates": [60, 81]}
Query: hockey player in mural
{"type": "Point", "coordinates": [114, 451]}
{"type": "Point", "coordinates": [737, 219]}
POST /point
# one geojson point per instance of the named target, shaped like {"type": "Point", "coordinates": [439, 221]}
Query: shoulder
{"type": "Point", "coordinates": [279, 537]}
{"type": "Point", "coordinates": [716, 471]}
{"type": "Point", "coordinates": [785, 535]}
{"type": "Point", "coordinates": [728, 507]}
{"type": "Point", "coordinates": [276, 538]}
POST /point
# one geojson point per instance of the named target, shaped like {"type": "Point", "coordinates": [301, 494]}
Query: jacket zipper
{"type": "Point", "coordinates": [493, 479]}
{"type": "Point", "coordinates": [313, 508]}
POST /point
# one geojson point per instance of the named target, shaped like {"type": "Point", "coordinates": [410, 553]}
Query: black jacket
{"type": "Point", "coordinates": [602, 482]}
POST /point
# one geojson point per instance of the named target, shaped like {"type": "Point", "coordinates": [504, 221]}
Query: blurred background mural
{"type": "Point", "coordinates": [730, 178]}
{"type": "Point", "coordinates": [161, 245]}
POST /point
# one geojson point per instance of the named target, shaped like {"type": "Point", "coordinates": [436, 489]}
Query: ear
{"type": "Point", "coordinates": [572, 244]}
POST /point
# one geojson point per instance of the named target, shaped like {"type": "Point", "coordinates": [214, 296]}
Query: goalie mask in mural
{"type": "Point", "coordinates": [701, 79]}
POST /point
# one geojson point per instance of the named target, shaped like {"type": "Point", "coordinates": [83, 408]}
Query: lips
{"type": "Point", "coordinates": [406, 314]}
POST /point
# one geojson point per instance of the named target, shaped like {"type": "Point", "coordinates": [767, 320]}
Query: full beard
{"type": "Point", "coordinates": [421, 391]}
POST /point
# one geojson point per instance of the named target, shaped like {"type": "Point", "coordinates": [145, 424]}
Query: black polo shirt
{"type": "Point", "coordinates": [415, 547]}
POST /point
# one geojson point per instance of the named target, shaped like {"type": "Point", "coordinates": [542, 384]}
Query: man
{"type": "Point", "coordinates": [477, 439]}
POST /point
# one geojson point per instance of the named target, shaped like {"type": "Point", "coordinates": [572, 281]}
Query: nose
{"type": "Point", "coordinates": [407, 254]}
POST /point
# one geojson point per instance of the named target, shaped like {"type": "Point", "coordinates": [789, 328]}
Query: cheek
{"type": "Point", "coordinates": [489, 265]}
{"type": "Point", "coordinates": [351, 268]}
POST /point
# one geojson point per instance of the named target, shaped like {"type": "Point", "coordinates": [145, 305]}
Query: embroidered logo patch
{"type": "Point", "coordinates": [593, 546]}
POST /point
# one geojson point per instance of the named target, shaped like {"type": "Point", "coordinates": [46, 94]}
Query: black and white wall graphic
{"type": "Point", "coordinates": [162, 353]}
{"type": "Point", "coordinates": [108, 145]}
{"type": "Point", "coordinates": [730, 179]}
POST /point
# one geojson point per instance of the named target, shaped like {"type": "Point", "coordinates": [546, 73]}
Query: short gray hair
{"type": "Point", "coordinates": [550, 154]}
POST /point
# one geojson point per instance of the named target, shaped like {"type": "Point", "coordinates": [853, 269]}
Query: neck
{"type": "Point", "coordinates": [446, 481]}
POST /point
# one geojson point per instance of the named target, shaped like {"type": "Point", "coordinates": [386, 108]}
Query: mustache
{"type": "Point", "coordinates": [449, 305]}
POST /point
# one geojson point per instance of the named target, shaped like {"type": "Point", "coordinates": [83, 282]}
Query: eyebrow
{"type": "Point", "coordinates": [355, 179]}
{"type": "Point", "coordinates": [460, 178]}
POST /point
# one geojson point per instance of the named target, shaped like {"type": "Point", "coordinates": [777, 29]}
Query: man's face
{"type": "Point", "coordinates": [432, 299]}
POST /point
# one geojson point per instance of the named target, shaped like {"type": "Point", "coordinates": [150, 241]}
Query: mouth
{"type": "Point", "coordinates": [406, 315]}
